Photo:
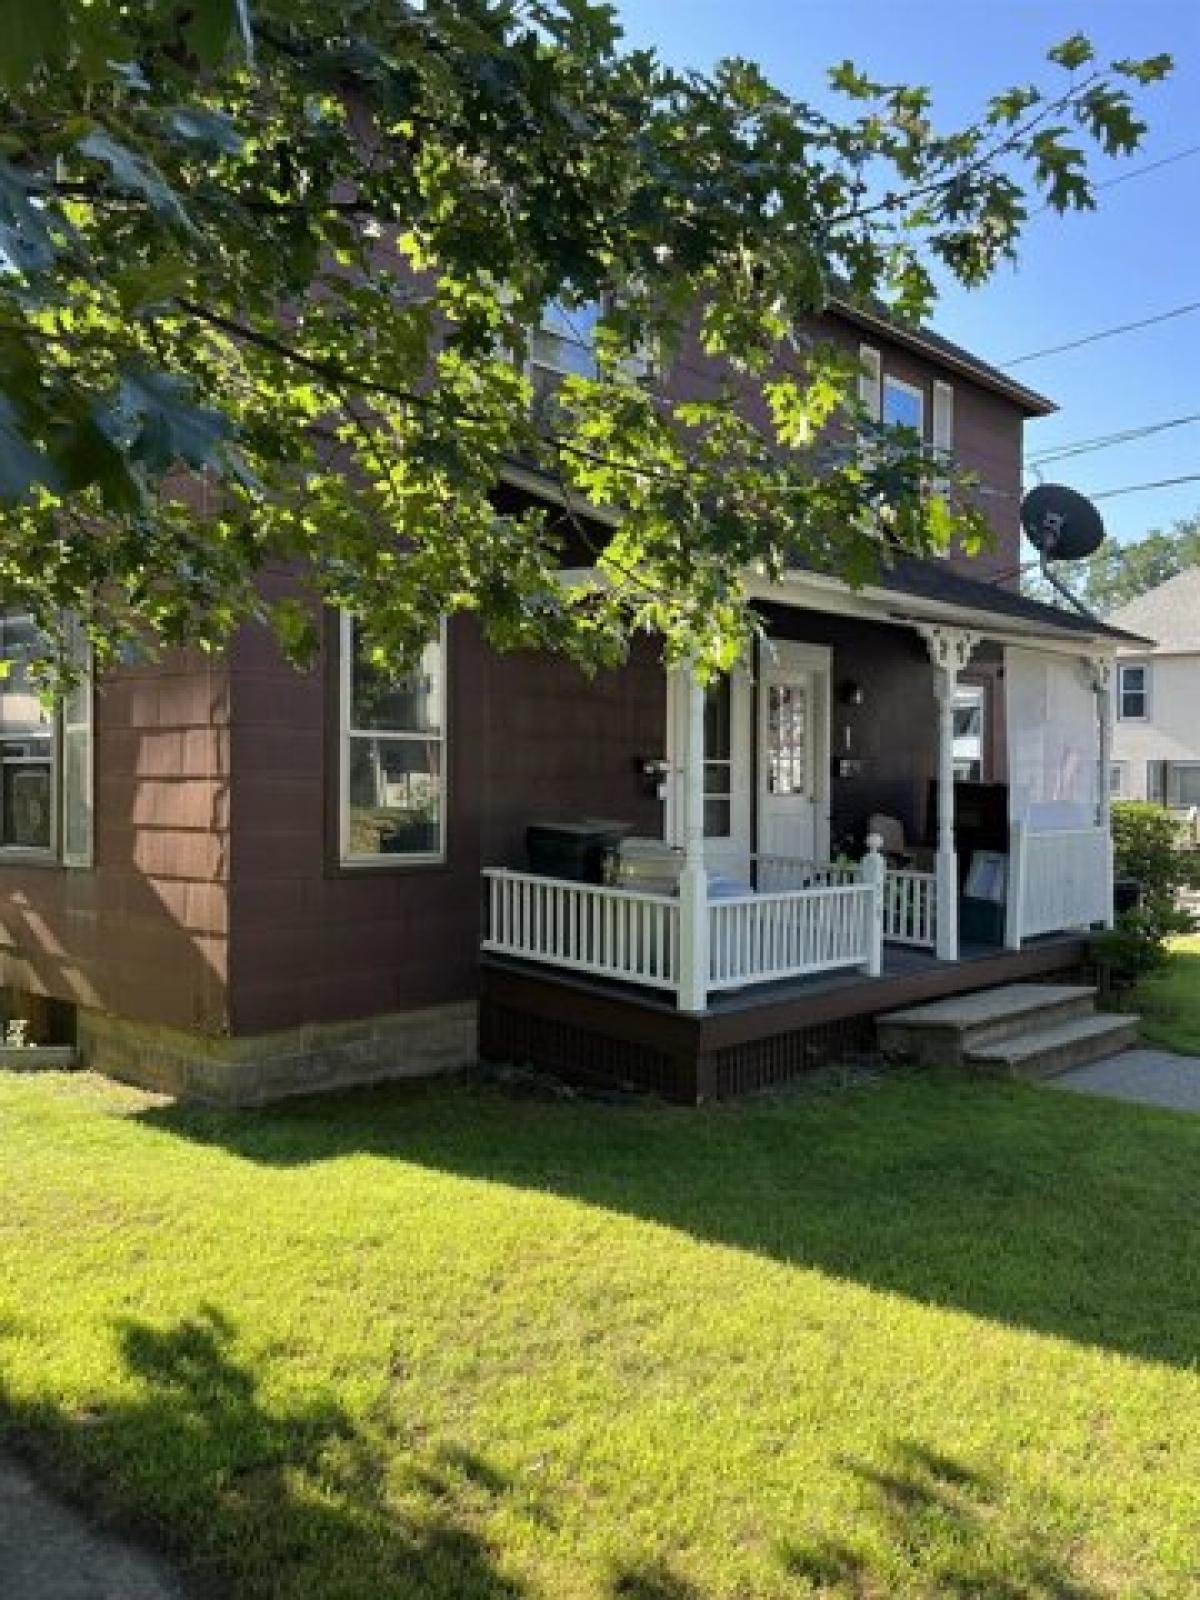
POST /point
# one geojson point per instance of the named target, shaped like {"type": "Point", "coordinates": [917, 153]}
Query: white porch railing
{"type": "Point", "coordinates": [774, 874]}
{"type": "Point", "coordinates": [759, 938]}
{"type": "Point", "coordinates": [639, 937]}
{"type": "Point", "coordinates": [910, 908]}
{"type": "Point", "coordinates": [1057, 882]}
{"type": "Point", "coordinates": [614, 933]}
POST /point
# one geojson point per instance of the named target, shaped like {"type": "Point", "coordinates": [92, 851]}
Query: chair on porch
{"type": "Point", "coordinates": [899, 851]}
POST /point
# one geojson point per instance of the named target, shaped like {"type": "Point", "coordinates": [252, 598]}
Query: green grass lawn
{"type": "Point", "coordinates": [1169, 1002]}
{"type": "Point", "coordinates": [922, 1337]}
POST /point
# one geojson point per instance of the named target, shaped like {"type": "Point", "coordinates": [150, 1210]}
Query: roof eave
{"type": "Point", "coordinates": [1030, 401]}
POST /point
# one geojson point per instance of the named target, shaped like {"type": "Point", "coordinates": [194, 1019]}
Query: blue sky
{"type": "Point", "coordinates": [1139, 254]}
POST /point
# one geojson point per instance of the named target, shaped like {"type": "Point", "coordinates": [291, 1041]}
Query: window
{"type": "Point", "coordinates": [718, 759]}
{"type": "Point", "coordinates": [967, 712]}
{"type": "Point", "coordinates": [393, 784]}
{"type": "Point", "coordinates": [1156, 782]}
{"type": "Point", "coordinates": [563, 346]}
{"type": "Point", "coordinates": [1133, 693]}
{"type": "Point", "coordinates": [1183, 783]}
{"type": "Point", "coordinates": [903, 405]}
{"type": "Point", "coordinates": [45, 756]}
{"type": "Point", "coordinates": [787, 739]}
{"type": "Point", "coordinates": [1116, 779]}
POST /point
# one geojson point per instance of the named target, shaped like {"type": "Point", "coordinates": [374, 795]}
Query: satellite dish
{"type": "Point", "coordinates": [1062, 523]}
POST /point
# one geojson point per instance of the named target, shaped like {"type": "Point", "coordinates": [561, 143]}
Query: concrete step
{"type": "Point", "coordinates": [1045, 1051]}
{"type": "Point", "coordinates": [944, 1031]}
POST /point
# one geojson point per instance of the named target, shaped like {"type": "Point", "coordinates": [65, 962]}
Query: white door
{"type": "Point", "coordinates": [793, 746]}
{"type": "Point", "coordinates": [728, 743]}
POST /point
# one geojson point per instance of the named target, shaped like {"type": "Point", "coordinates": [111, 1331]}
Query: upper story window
{"type": "Point", "coordinates": [903, 405]}
{"type": "Point", "coordinates": [1133, 692]}
{"type": "Point", "coordinates": [562, 346]}
{"type": "Point", "coordinates": [45, 756]}
{"type": "Point", "coordinates": [393, 749]}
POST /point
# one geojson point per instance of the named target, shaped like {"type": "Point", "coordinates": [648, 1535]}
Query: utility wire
{"type": "Point", "coordinates": [1138, 488]}
{"type": "Point", "coordinates": [1136, 172]}
{"type": "Point", "coordinates": [1106, 441]}
{"type": "Point", "coordinates": [1104, 333]}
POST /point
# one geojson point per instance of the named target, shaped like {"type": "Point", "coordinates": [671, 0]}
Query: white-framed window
{"type": "Point", "coordinates": [870, 381]}
{"type": "Point", "coordinates": [392, 755]}
{"type": "Point", "coordinates": [1183, 783]}
{"type": "Point", "coordinates": [903, 405]}
{"type": "Point", "coordinates": [968, 712]}
{"type": "Point", "coordinates": [563, 345]}
{"type": "Point", "coordinates": [1117, 778]}
{"type": "Point", "coordinates": [1133, 691]}
{"type": "Point", "coordinates": [718, 759]}
{"type": "Point", "coordinates": [45, 754]}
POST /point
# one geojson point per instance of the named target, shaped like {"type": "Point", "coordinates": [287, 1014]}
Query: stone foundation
{"type": "Point", "coordinates": [253, 1070]}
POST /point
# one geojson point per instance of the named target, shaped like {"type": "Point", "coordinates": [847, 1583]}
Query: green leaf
{"type": "Point", "coordinates": [135, 174]}
{"type": "Point", "coordinates": [157, 421]}
{"type": "Point", "coordinates": [212, 130]}
{"type": "Point", "coordinates": [23, 464]}
{"type": "Point", "coordinates": [1073, 52]}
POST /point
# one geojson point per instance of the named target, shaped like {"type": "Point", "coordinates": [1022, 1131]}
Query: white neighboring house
{"type": "Point", "coordinates": [1156, 735]}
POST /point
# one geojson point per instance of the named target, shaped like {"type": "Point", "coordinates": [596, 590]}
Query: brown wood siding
{"type": "Point", "coordinates": [144, 932]}
{"type": "Point", "coordinates": [529, 737]}
{"type": "Point", "coordinates": [987, 431]}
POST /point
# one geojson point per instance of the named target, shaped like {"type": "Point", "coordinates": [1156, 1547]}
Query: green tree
{"type": "Point", "coordinates": [269, 270]}
{"type": "Point", "coordinates": [1119, 573]}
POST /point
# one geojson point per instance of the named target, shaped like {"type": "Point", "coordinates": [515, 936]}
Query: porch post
{"type": "Point", "coordinates": [950, 651]}
{"type": "Point", "coordinates": [874, 873]}
{"type": "Point", "coordinates": [1102, 683]}
{"type": "Point", "coordinates": [693, 880]}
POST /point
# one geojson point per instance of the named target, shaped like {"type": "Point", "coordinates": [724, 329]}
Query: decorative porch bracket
{"type": "Point", "coordinates": [1101, 669]}
{"type": "Point", "coordinates": [950, 650]}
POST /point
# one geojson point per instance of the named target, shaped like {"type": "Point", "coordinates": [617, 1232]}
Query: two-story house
{"type": "Point", "coordinates": [1156, 739]}
{"type": "Point", "coordinates": [231, 879]}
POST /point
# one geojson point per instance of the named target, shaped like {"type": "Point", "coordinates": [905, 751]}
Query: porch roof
{"type": "Point", "coordinates": [936, 585]}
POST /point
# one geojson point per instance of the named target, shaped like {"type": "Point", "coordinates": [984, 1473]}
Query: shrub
{"type": "Point", "coordinates": [1147, 846]}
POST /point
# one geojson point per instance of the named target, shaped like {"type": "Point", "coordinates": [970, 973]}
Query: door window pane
{"type": "Point", "coordinates": [787, 739]}
{"type": "Point", "coordinates": [718, 759]}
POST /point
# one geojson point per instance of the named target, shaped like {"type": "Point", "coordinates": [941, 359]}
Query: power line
{"type": "Point", "coordinates": [1138, 488]}
{"type": "Point", "coordinates": [1106, 441]}
{"type": "Point", "coordinates": [1135, 172]}
{"type": "Point", "coordinates": [1105, 333]}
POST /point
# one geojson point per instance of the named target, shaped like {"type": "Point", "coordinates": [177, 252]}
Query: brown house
{"type": "Point", "coordinates": [229, 879]}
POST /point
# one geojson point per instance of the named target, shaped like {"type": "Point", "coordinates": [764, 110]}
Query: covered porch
{"type": "Point", "coordinates": [835, 820]}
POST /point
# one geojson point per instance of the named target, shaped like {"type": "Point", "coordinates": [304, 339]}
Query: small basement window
{"type": "Point", "coordinates": [1133, 693]}
{"type": "Point", "coordinates": [393, 778]}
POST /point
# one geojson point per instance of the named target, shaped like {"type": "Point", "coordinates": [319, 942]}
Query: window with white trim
{"type": "Point", "coordinates": [968, 713]}
{"type": "Point", "coordinates": [1133, 692]}
{"type": "Point", "coordinates": [563, 345]}
{"type": "Point", "coordinates": [1116, 779]}
{"type": "Point", "coordinates": [1183, 783]}
{"type": "Point", "coordinates": [903, 405]}
{"type": "Point", "coordinates": [393, 755]}
{"type": "Point", "coordinates": [45, 753]}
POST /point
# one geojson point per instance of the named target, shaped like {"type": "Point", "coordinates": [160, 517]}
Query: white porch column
{"type": "Point", "coordinates": [950, 651]}
{"type": "Point", "coordinates": [693, 880]}
{"type": "Point", "coordinates": [1102, 674]}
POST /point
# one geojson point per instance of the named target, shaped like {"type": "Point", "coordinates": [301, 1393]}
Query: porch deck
{"type": "Point", "coordinates": [592, 1031]}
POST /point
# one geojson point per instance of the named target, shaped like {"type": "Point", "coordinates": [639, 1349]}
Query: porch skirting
{"type": "Point", "coordinates": [258, 1068]}
{"type": "Point", "coordinates": [605, 1035]}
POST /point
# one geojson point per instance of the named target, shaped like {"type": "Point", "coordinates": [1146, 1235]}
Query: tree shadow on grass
{"type": "Point", "coordinates": [955, 1523]}
{"type": "Point", "coordinates": [264, 1500]}
{"type": "Point", "coordinates": [1068, 1216]}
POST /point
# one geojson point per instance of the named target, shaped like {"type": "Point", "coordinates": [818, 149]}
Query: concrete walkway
{"type": "Point", "coordinates": [1147, 1077]}
{"type": "Point", "coordinates": [49, 1552]}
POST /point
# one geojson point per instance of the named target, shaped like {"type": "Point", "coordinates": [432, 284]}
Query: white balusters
{"type": "Point", "coordinates": [584, 927]}
{"type": "Point", "coordinates": [910, 908]}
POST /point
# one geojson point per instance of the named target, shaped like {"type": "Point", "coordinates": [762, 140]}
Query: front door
{"type": "Point", "coordinates": [793, 751]}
